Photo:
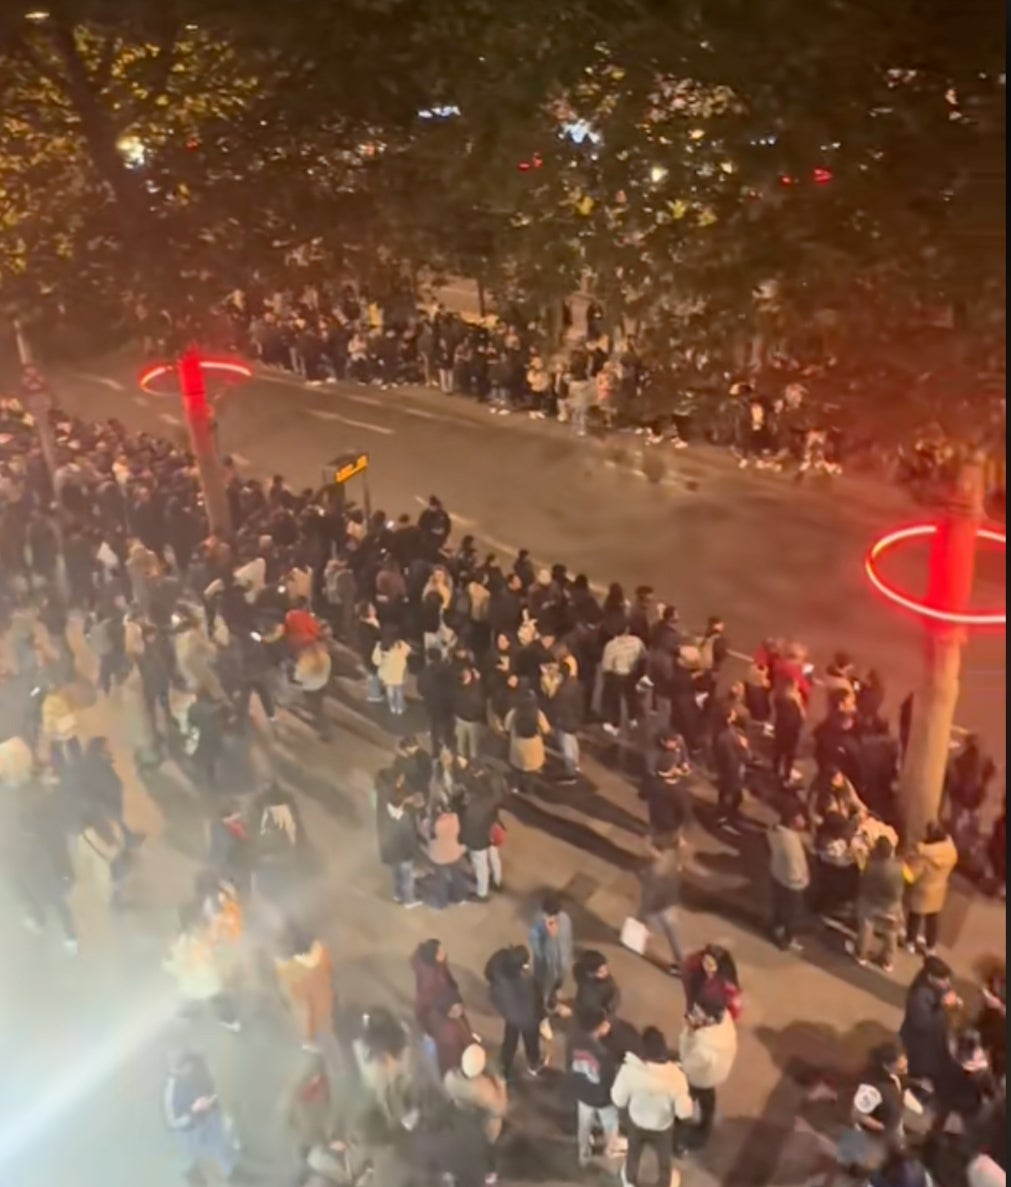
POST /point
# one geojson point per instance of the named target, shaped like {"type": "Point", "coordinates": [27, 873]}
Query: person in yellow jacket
{"type": "Point", "coordinates": [928, 870]}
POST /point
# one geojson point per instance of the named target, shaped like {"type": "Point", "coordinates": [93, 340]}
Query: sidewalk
{"type": "Point", "coordinates": [83, 1040]}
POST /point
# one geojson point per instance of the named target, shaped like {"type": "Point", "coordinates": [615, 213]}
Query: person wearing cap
{"type": "Point", "coordinates": [473, 1087]}
{"type": "Point", "coordinates": [654, 1091]}
{"type": "Point", "coordinates": [708, 1048]}
{"type": "Point", "coordinates": [926, 1026]}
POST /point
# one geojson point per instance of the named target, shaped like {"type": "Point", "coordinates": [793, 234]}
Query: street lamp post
{"type": "Point", "coordinates": [947, 615]}
{"type": "Point", "coordinates": [187, 375]}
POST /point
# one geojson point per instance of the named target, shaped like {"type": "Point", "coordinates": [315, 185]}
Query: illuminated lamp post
{"type": "Point", "coordinates": [947, 616]}
{"type": "Point", "coordinates": [187, 376]}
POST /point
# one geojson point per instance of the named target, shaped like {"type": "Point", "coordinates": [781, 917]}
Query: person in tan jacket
{"type": "Point", "coordinates": [305, 975]}
{"type": "Point", "coordinates": [929, 868]}
{"type": "Point", "coordinates": [474, 1089]}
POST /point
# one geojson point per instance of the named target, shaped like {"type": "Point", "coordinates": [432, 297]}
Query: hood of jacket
{"type": "Point", "coordinates": [654, 1093]}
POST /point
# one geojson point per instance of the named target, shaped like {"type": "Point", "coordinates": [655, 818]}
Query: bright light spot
{"type": "Point", "coordinates": [439, 113]}
{"type": "Point", "coordinates": [822, 176]}
{"type": "Point", "coordinates": [37, 15]}
{"type": "Point", "coordinates": [697, 134]}
{"type": "Point", "coordinates": [579, 130]}
{"type": "Point", "coordinates": [132, 150]}
{"type": "Point", "coordinates": [657, 174]}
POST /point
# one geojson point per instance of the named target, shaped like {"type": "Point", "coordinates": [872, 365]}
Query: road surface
{"type": "Point", "coordinates": [772, 558]}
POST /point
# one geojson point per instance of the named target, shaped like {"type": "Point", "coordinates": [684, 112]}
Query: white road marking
{"type": "Point", "coordinates": [405, 408]}
{"type": "Point", "coordinates": [169, 418]}
{"type": "Point", "coordinates": [104, 380]}
{"type": "Point", "coordinates": [326, 414]}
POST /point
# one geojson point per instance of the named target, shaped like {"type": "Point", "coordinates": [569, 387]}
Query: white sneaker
{"type": "Point", "coordinates": [608, 728]}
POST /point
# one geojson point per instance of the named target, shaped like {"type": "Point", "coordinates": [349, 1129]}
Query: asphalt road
{"type": "Point", "coordinates": [771, 557]}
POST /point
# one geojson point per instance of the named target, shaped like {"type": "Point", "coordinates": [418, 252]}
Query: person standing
{"type": "Point", "coordinates": [476, 1090]}
{"type": "Point", "coordinates": [930, 868]}
{"type": "Point", "coordinates": [566, 713]}
{"type": "Point", "coordinates": [550, 940]}
{"type": "Point", "coordinates": [789, 713]}
{"type": "Point", "coordinates": [469, 713]}
{"type": "Point", "coordinates": [194, 1114]}
{"type": "Point", "coordinates": [621, 664]}
{"type": "Point", "coordinates": [879, 905]}
{"type": "Point", "coordinates": [592, 1061]}
{"type": "Point", "coordinates": [389, 658]}
{"type": "Point", "coordinates": [790, 876]}
{"type": "Point", "coordinates": [708, 1048]}
{"type": "Point", "coordinates": [397, 826]}
{"type": "Point", "coordinates": [305, 975]}
{"type": "Point", "coordinates": [926, 1024]}
{"type": "Point", "coordinates": [654, 1091]}
{"type": "Point", "coordinates": [517, 998]}
{"type": "Point", "coordinates": [527, 728]}
{"type": "Point", "coordinates": [481, 831]}
{"type": "Point", "coordinates": [730, 754]}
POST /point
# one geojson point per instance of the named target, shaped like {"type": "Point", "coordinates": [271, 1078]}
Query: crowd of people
{"type": "Point", "coordinates": [514, 666]}
{"type": "Point", "coordinates": [594, 381]}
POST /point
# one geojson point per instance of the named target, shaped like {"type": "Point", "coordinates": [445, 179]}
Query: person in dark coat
{"type": "Point", "coordinates": [433, 979]}
{"type": "Point", "coordinates": [515, 996]}
{"type": "Point", "coordinates": [230, 849]}
{"type": "Point", "coordinates": [666, 794]}
{"type": "Point", "coordinates": [926, 1025]}
{"type": "Point", "coordinates": [730, 751]}
{"type": "Point", "coordinates": [450, 1030]}
{"type": "Point", "coordinates": [436, 683]}
{"type": "Point", "coordinates": [397, 828]}
{"type": "Point", "coordinates": [102, 787]}
{"type": "Point", "coordinates": [596, 988]}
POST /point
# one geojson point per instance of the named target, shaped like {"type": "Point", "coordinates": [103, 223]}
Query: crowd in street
{"type": "Point", "coordinates": [515, 667]}
{"type": "Point", "coordinates": [594, 381]}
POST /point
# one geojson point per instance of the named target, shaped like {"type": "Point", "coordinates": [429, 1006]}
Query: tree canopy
{"type": "Point", "coordinates": [827, 176]}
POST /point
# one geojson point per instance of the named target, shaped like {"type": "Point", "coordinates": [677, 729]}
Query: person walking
{"type": "Point", "coordinates": [930, 867]}
{"type": "Point", "coordinates": [790, 876]}
{"type": "Point", "coordinates": [879, 905]}
{"type": "Point", "coordinates": [304, 970]}
{"type": "Point", "coordinates": [661, 895]}
{"type": "Point", "coordinates": [653, 1090]}
{"type": "Point", "coordinates": [517, 998]}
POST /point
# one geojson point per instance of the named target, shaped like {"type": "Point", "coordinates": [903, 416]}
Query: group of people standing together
{"type": "Point", "coordinates": [510, 661]}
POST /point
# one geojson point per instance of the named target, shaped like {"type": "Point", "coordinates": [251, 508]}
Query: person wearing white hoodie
{"type": "Point", "coordinates": [708, 1048]}
{"type": "Point", "coordinates": [655, 1093]}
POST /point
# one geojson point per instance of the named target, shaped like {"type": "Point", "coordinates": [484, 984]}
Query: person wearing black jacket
{"type": "Point", "coordinates": [515, 995]}
{"type": "Point", "coordinates": [596, 988]}
{"type": "Point", "coordinates": [667, 799]}
{"type": "Point", "coordinates": [469, 712]}
{"type": "Point", "coordinates": [565, 712]}
{"type": "Point", "coordinates": [592, 1059]}
{"type": "Point", "coordinates": [926, 1026]}
{"type": "Point", "coordinates": [730, 749]}
{"type": "Point", "coordinates": [478, 810]}
{"type": "Point", "coordinates": [396, 825]}
{"type": "Point", "coordinates": [436, 689]}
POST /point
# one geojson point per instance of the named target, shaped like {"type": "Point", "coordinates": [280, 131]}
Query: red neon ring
{"type": "Point", "coordinates": [156, 371]}
{"type": "Point", "coordinates": [915, 532]}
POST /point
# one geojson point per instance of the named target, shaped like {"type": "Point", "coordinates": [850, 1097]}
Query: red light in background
{"type": "Point", "coordinates": [822, 176]}
{"type": "Point", "coordinates": [524, 166]}
{"type": "Point", "coordinates": [785, 180]}
{"type": "Point", "coordinates": [917, 606]}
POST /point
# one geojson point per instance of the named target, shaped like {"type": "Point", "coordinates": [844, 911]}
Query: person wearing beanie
{"type": "Point", "coordinates": [474, 1088]}
{"type": "Point", "coordinates": [654, 1091]}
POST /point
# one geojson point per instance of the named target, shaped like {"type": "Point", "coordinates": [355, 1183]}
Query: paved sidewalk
{"type": "Point", "coordinates": [83, 1040]}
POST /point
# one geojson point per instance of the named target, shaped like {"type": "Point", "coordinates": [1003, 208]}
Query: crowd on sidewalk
{"type": "Point", "coordinates": [514, 666]}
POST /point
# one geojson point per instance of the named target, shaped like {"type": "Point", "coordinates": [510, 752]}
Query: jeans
{"type": "Point", "coordinates": [662, 1144]}
{"type": "Point", "coordinates": [586, 1117]}
{"type": "Point", "coordinates": [403, 882]}
{"type": "Point", "coordinates": [577, 414]}
{"type": "Point", "coordinates": [373, 689]}
{"type": "Point", "coordinates": [211, 1139]}
{"type": "Point", "coordinates": [619, 687]}
{"type": "Point", "coordinates": [395, 698]}
{"type": "Point", "coordinates": [468, 738]}
{"type": "Point", "coordinates": [487, 865]}
{"type": "Point", "coordinates": [787, 908]}
{"type": "Point", "coordinates": [569, 746]}
{"type": "Point", "coordinates": [667, 922]}
{"type": "Point", "coordinates": [531, 1046]}
{"type": "Point", "coordinates": [930, 923]}
{"type": "Point", "coordinates": [245, 699]}
{"type": "Point", "coordinates": [867, 924]}
{"type": "Point", "coordinates": [448, 886]}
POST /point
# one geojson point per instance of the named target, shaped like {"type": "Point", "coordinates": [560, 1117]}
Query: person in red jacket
{"type": "Point", "coordinates": [432, 980]}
